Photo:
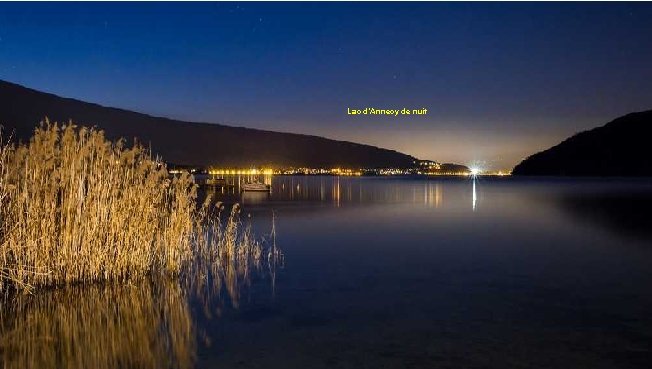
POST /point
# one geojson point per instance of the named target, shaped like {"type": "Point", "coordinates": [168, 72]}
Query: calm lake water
{"type": "Point", "coordinates": [391, 273]}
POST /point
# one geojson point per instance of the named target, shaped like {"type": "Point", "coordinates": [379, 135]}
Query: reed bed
{"type": "Point", "coordinates": [78, 208]}
{"type": "Point", "coordinates": [148, 323]}
{"type": "Point", "coordinates": [228, 253]}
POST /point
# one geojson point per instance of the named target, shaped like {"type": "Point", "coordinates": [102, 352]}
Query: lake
{"type": "Point", "coordinates": [387, 272]}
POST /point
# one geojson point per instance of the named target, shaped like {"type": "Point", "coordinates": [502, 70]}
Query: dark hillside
{"type": "Point", "coordinates": [622, 147]}
{"type": "Point", "coordinates": [202, 144]}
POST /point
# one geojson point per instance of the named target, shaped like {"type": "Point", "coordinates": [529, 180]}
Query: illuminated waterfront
{"type": "Point", "coordinates": [385, 271]}
{"type": "Point", "coordinates": [423, 168]}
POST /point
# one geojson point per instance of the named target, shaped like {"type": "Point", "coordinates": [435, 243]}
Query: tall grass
{"type": "Point", "coordinates": [227, 254]}
{"type": "Point", "coordinates": [77, 208]}
{"type": "Point", "coordinates": [147, 323]}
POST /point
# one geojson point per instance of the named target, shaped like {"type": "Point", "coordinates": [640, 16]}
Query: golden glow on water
{"type": "Point", "coordinates": [336, 192]}
{"type": "Point", "coordinates": [146, 323]}
{"type": "Point", "coordinates": [129, 326]}
{"type": "Point", "coordinates": [432, 195]}
{"type": "Point", "coordinates": [343, 190]}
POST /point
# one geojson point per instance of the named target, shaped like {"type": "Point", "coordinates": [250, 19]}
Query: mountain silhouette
{"type": "Point", "coordinates": [190, 143]}
{"type": "Point", "coordinates": [619, 148]}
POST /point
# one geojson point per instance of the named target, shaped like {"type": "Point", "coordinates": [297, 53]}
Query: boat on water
{"type": "Point", "coordinates": [255, 186]}
{"type": "Point", "coordinates": [215, 182]}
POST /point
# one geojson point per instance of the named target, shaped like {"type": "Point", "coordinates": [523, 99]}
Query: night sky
{"type": "Point", "coordinates": [500, 81]}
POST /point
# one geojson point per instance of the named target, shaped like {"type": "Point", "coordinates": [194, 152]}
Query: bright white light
{"type": "Point", "coordinates": [474, 171]}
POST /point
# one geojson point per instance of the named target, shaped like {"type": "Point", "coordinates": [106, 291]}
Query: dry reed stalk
{"type": "Point", "coordinates": [78, 208]}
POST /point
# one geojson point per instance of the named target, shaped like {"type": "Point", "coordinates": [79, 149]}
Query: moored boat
{"type": "Point", "coordinates": [256, 186]}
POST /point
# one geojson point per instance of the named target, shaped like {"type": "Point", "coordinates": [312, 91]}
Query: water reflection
{"type": "Point", "coordinates": [144, 325]}
{"type": "Point", "coordinates": [341, 191]}
{"type": "Point", "coordinates": [352, 191]}
{"type": "Point", "coordinates": [475, 197]}
{"type": "Point", "coordinates": [387, 272]}
{"type": "Point", "coordinates": [255, 197]}
{"type": "Point", "coordinates": [626, 213]}
{"type": "Point", "coordinates": [148, 324]}
{"type": "Point", "coordinates": [439, 272]}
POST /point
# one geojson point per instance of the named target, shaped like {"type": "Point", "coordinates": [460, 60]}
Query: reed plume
{"type": "Point", "coordinates": [78, 208]}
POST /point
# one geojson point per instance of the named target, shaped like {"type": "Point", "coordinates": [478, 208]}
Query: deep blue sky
{"type": "Point", "coordinates": [500, 80]}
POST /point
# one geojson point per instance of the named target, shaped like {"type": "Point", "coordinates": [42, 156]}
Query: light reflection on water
{"type": "Point", "coordinates": [387, 272]}
{"type": "Point", "coordinates": [337, 191]}
{"type": "Point", "coordinates": [475, 196]}
{"type": "Point", "coordinates": [453, 272]}
{"type": "Point", "coordinates": [143, 325]}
